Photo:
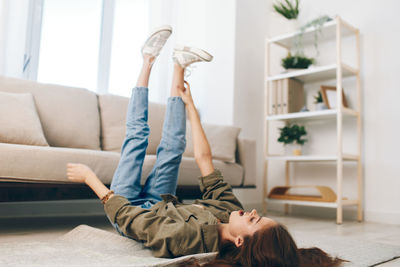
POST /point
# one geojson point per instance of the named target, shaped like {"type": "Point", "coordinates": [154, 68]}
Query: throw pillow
{"type": "Point", "coordinates": [20, 123]}
{"type": "Point", "coordinates": [222, 139]}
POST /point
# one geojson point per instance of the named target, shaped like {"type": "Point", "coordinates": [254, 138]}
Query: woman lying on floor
{"type": "Point", "coordinates": [151, 214]}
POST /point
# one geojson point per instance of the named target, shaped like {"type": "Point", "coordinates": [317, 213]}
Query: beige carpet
{"type": "Point", "coordinates": [89, 246]}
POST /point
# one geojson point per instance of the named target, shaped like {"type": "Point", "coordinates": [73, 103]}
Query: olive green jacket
{"type": "Point", "coordinates": [173, 229]}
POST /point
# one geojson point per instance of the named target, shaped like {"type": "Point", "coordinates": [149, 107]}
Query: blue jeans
{"type": "Point", "coordinates": [164, 176]}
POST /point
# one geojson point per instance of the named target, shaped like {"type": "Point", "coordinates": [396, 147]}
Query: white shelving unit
{"type": "Point", "coordinates": [333, 30]}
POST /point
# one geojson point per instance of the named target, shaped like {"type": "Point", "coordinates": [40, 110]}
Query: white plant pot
{"type": "Point", "coordinates": [291, 25]}
{"type": "Point", "coordinates": [293, 150]}
{"type": "Point", "coordinates": [292, 70]}
{"type": "Point", "coordinates": [320, 106]}
{"type": "Point", "coordinates": [281, 25]}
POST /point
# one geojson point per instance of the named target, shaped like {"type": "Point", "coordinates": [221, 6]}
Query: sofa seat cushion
{"type": "Point", "coordinates": [48, 164]}
{"type": "Point", "coordinates": [69, 116]}
{"type": "Point", "coordinates": [19, 121]}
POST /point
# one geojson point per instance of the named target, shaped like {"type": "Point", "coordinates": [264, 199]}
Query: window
{"type": "Point", "coordinates": [71, 45]}
{"type": "Point", "coordinates": [129, 32]}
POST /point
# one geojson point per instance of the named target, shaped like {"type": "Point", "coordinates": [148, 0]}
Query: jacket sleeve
{"type": "Point", "coordinates": [213, 187]}
{"type": "Point", "coordinates": [164, 235]}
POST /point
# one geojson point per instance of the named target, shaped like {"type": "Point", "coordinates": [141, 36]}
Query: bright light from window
{"type": "Point", "coordinates": [70, 39]}
{"type": "Point", "coordinates": [131, 20]}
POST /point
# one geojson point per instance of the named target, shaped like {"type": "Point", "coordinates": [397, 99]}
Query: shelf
{"type": "Point", "coordinates": [312, 115]}
{"type": "Point", "coordinates": [313, 74]}
{"type": "Point", "coordinates": [328, 33]}
{"type": "Point", "coordinates": [332, 35]}
{"type": "Point", "coordinates": [312, 203]}
{"type": "Point", "coordinates": [347, 157]}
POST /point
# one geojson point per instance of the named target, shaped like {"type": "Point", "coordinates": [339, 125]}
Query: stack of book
{"type": "Point", "coordinates": [285, 96]}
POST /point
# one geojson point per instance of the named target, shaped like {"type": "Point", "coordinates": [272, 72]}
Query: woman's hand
{"type": "Point", "coordinates": [186, 95]}
{"type": "Point", "coordinates": [78, 172]}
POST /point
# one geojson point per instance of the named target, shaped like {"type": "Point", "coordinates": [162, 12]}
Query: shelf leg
{"type": "Point", "coordinates": [265, 194]}
{"type": "Point", "coordinates": [359, 128]}
{"type": "Point", "coordinates": [287, 181]}
{"type": "Point", "coordinates": [359, 182]}
{"type": "Point", "coordinates": [339, 91]}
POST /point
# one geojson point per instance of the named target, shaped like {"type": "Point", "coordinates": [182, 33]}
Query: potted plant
{"type": "Point", "coordinates": [292, 135]}
{"type": "Point", "coordinates": [289, 11]}
{"type": "Point", "coordinates": [319, 102]}
{"type": "Point", "coordinates": [296, 62]}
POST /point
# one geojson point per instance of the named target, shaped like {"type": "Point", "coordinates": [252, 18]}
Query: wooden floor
{"type": "Point", "coordinates": [42, 229]}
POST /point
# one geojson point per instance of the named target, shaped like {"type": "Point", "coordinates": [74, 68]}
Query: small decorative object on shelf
{"type": "Point", "coordinates": [329, 96]}
{"type": "Point", "coordinates": [304, 109]}
{"type": "Point", "coordinates": [326, 194]}
{"type": "Point", "coordinates": [287, 96]}
{"type": "Point", "coordinates": [319, 102]}
{"type": "Point", "coordinates": [292, 134]}
{"type": "Point", "coordinates": [296, 62]}
{"type": "Point", "coordinates": [287, 9]}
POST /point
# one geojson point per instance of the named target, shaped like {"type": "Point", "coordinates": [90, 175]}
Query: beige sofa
{"type": "Point", "coordinates": [46, 126]}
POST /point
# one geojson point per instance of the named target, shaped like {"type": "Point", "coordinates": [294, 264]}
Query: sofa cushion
{"type": "Point", "coordinates": [19, 121]}
{"type": "Point", "coordinates": [113, 110]}
{"type": "Point", "coordinates": [69, 116]}
{"type": "Point", "coordinates": [222, 139]}
{"type": "Point", "coordinates": [48, 164]}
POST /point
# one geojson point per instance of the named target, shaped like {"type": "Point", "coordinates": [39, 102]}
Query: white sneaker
{"type": "Point", "coordinates": [157, 39]}
{"type": "Point", "coordinates": [184, 56]}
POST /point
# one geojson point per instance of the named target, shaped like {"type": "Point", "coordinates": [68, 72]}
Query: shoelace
{"type": "Point", "coordinates": [188, 70]}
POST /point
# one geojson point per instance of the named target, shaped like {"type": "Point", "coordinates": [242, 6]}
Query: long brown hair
{"type": "Point", "coordinates": [269, 247]}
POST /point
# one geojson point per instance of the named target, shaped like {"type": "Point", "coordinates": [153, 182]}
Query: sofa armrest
{"type": "Point", "coordinates": [246, 156]}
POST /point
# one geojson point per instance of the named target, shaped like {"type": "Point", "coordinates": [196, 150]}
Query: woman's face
{"type": "Point", "coordinates": [246, 223]}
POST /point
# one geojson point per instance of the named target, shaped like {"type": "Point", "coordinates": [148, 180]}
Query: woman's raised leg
{"type": "Point", "coordinates": [126, 180]}
{"type": "Point", "coordinates": [164, 176]}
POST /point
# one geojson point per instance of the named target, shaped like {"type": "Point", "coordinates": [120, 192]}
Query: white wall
{"type": "Point", "coordinates": [251, 30]}
{"type": "Point", "coordinates": [207, 25]}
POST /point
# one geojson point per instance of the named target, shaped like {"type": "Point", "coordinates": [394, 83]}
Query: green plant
{"type": "Point", "coordinates": [317, 23]}
{"type": "Point", "coordinates": [292, 133]}
{"type": "Point", "coordinates": [318, 98]}
{"type": "Point", "coordinates": [287, 9]}
{"type": "Point", "coordinates": [296, 62]}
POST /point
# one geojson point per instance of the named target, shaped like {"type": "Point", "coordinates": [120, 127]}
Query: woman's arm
{"type": "Point", "coordinates": [202, 150]}
{"type": "Point", "coordinates": [83, 174]}
{"type": "Point", "coordinates": [212, 183]}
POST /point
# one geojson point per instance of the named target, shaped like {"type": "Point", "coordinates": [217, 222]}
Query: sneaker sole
{"type": "Point", "coordinates": [160, 29]}
{"type": "Point", "coordinates": [196, 51]}
{"type": "Point", "coordinates": [157, 30]}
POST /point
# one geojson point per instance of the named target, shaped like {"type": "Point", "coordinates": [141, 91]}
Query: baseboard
{"type": "Point", "coordinates": [383, 217]}
{"type": "Point", "coordinates": [55, 208]}
{"type": "Point", "coordinates": [349, 213]}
